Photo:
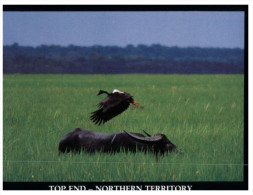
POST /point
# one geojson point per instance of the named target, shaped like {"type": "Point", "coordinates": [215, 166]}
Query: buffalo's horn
{"type": "Point", "coordinates": [155, 138]}
{"type": "Point", "coordinates": [146, 133]}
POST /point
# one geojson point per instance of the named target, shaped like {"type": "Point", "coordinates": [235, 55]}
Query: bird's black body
{"type": "Point", "coordinates": [90, 141]}
{"type": "Point", "coordinates": [114, 104]}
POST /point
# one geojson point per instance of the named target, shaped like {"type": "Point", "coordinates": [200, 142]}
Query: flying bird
{"type": "Point", "coordinates": [114, 104]}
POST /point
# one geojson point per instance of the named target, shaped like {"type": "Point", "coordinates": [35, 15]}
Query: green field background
{"type": "Point", "coordinates": [202, 114]}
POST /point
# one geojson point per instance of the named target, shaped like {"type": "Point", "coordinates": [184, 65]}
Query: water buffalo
{"type": "Point", "coordinates": [90, 141]}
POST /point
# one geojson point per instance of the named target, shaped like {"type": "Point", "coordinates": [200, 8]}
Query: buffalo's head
{"type": "Point", "coordinates": [159, 143]}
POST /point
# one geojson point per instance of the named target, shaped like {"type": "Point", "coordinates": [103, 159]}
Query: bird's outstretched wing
{"type": "Point", "coordinates": [110, 107]}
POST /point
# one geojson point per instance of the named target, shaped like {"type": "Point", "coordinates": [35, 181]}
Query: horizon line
{"type": "Point", "coordinates": [133, 45]}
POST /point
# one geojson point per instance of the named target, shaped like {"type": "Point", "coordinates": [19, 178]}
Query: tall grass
{"type": "Point", "coordinates": [202, 114]}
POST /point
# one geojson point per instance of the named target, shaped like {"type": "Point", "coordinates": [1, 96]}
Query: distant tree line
{"type": "Point", "coordinates": [113, 59]}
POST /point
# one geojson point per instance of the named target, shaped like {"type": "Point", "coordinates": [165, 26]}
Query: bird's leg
{"type": "Point", "coordinates": [136, 104]}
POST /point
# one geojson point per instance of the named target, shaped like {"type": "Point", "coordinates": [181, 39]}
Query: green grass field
{"type": "Point", "coordinates": [202, 114]}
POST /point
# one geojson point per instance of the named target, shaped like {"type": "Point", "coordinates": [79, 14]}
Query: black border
{"type": "Point", "coordinates": [125, 7]}
{"type": "Point", "coordinates": [92, 185]}
{"type": "Point", "coordinates": [195, 185]}
{"type": "Point", "coordinates": [246, 108]}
